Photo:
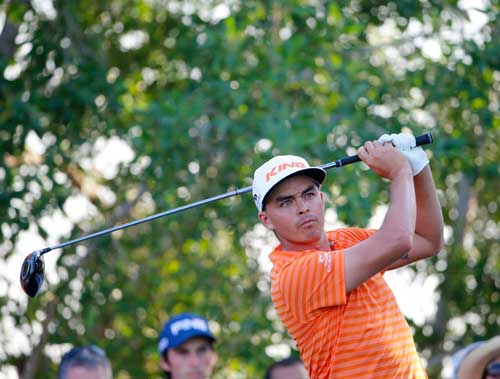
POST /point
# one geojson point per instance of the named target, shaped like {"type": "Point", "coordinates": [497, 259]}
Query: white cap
{"type": "Point", "coordinates": [267, 176]}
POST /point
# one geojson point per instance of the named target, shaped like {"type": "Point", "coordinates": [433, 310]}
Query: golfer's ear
{"type": "Point", "coordinates": [265, 220]}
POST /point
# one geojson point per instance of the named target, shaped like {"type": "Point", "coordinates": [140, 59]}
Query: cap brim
{"type": "Point", "coordinates": [316, 173]}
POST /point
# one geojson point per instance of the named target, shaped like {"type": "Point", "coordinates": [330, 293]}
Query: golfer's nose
{"type": "Point", "coordinates": [302, 206]}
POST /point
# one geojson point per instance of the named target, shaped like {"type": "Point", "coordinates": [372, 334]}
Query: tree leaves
{"type": "Point", "coordinates": [202, 103]}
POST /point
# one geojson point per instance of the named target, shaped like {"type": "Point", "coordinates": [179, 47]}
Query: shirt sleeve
{"type": "Point", "coordinates": [313, 281]}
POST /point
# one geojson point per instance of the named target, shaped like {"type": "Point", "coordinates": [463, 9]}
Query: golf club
{"type": "Point", "coordinates": [32, 271]}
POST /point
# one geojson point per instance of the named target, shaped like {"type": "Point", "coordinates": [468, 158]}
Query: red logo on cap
{"type": "Point", "coordinates": [283, 167]}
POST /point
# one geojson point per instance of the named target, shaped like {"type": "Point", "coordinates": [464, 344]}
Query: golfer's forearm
{"type": "Point", "coordinates": [391, 242]}
{"type": "Point", "coordinates": [429, 224]}
{"type": "Point", "coordinates": [399, 223]}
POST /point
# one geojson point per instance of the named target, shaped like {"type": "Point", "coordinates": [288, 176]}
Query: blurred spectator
{"type": "Point", "coordinates": [288, 368]}
{"type": "Point", "coordinates": [480, 360]}
{"type": "Point", "coordinates": [86, 362]}
{"type": "Point", "coordinates": [186, 348]}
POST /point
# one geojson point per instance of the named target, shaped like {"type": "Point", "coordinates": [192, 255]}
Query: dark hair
{"type": "Point", "coordinates": [290, 361]}
{"type": "Point", "coordinates": [90, 356]}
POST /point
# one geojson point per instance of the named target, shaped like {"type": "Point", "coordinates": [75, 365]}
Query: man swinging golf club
{"type": "Point", "coordinates": [32, 270]}
{"type": "Point", "coordinates": [327, 287]}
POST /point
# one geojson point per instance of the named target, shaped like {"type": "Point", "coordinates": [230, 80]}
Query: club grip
{"type": "Point", "coordinates": [423, 139]}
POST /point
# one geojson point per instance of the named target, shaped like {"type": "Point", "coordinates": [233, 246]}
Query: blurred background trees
{"type": "Point", "coordinates": [112, 111]}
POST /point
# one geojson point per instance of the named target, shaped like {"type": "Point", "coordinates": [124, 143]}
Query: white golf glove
{"type": "Point", "coordinates": [405, 143]}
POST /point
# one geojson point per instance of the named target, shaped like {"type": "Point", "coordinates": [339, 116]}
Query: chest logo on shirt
{"type": "Point", "coordinates": [326, 260]}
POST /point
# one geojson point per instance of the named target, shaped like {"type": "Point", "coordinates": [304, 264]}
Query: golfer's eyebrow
{"type": "Point", "coordinates": [288, 197]}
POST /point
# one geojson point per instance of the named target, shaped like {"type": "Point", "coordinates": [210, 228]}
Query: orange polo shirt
{"type": "Point", "coordinates": [362, 334]}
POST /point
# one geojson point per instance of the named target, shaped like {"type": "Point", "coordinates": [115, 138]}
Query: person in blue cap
{"type": "Point", "coordinates": [186, 347]}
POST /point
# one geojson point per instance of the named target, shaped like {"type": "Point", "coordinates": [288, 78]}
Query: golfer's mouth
{"type": "Point", "coordinates": [307, 222]}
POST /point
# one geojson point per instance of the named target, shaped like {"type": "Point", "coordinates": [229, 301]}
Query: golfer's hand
{"type": "Point", "coordinates": [406, 144]}
{"type": "Point", "coordinates": [385, 160]}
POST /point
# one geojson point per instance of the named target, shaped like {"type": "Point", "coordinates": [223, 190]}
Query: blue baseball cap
{"type": "Point", "coordinates": [181, 328]}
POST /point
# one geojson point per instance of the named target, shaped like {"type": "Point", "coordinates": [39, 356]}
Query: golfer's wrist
{"type": "Point", "coordinates": [404, 171]}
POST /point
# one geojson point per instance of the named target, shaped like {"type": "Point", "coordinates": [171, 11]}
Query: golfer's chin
{"type": "Point", "coordinates": [312, 230]}
{"type": "Point", "coordinates": [308, 237]}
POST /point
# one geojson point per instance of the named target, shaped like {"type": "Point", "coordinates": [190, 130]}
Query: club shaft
{"type": "Point", "coordinates": [420, 140]}
{"type": "Point", "coordinates": [150, 218]}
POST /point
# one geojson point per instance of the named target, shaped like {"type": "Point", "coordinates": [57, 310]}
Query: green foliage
{"type": "Point", "coordinates": [201, 102]}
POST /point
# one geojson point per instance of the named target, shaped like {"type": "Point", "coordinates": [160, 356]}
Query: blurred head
{"type": "Point", "coordinates": [86, 362]}
{"type": "Point", "coordinates": [288, 368]}
{"type": "Point", "coordinates": [480, 360]}
{"type": "Point", "coordinates": [186, 348]}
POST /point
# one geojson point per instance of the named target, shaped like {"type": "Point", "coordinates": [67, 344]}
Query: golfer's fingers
{"type": "Point", "coordinates": [364, 151]}
{"type": "Point", "coordinates": [371, 150]}
{"type": "Point", "coordinates": [372, 146]}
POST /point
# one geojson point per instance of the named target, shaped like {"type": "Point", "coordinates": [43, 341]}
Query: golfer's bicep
{"type": "Point", "coordinates": [364, 260]}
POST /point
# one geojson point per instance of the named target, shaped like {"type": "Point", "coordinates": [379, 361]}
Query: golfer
{"type": "Point", "coordinates": [327, 287]}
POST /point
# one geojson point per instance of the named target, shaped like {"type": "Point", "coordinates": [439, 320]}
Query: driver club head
{"type": "Point", "coordinates": [32, 273]}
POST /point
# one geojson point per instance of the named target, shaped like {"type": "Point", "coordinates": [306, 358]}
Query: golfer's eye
{"type": "Point", "coordinates": [285, 203]}
{"type": "Point", "coordinates": [309, 195]}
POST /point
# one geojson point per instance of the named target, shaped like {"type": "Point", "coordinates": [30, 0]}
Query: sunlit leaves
{"type": "Point", "coordinates": [203, 98]}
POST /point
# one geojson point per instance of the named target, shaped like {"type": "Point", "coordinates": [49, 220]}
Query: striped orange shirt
{"type": "Point", "coordinates": [362, 334]}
